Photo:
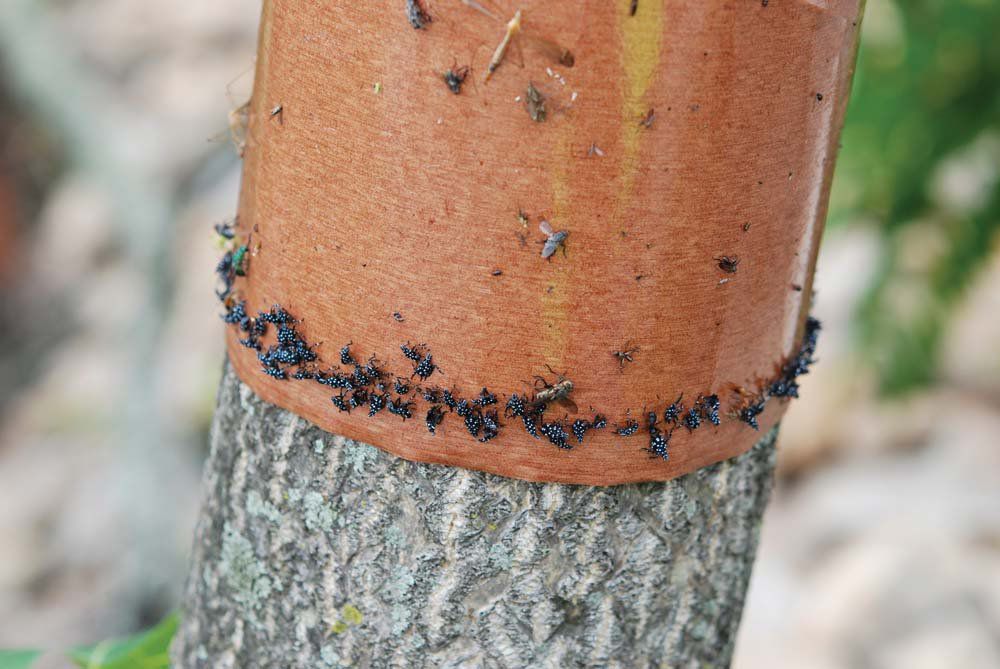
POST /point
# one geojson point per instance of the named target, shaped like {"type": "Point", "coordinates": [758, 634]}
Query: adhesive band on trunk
{"type": "Point", "coordinates": [557, 242]}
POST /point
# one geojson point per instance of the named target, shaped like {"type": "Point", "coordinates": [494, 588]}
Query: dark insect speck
{"type": "Point", "coordinates": [224, 230]}
{"type": "Point", "coordinates": [600, 422]}
{"type": "Point", "coordinates": [454, 78]}
{"type": "Point", "coordinates": [400, 386]}
{"type": "Point", "coordinates": [417, 16]}
{"type": "Point", "coordinates": [728, 264]}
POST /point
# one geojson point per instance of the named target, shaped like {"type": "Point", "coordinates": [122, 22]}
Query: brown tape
{"type": "Point", "coordinates": [377, 191]}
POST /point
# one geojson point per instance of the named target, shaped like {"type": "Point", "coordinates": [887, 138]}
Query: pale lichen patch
{"type": "Point", "coordinates": [258, 506]}
{"type": "Point", "coordinates": [242, 571]}
{"type": "Point", "coordinates": [318, 514]}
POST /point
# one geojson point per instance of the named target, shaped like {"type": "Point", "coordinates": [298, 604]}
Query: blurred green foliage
{"type": "Point", "coordinates": [919, 159]}
{"type": "Point", "coordinates": [18, 659]}
{"type": "Point", "coordinates": [147, 650]}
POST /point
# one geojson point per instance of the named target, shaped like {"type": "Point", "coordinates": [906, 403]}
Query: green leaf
{"type": "Point", "coordinates": [18, 659]}
{"type": "Point", "coordinates": [146, 650]}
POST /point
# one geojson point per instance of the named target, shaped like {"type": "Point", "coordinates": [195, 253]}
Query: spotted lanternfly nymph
{"type": "Point", "coordinates": [692, 419]}
{"type": "Point", "coordinates": [449, 399]}
{"type": "Point", "coordinates": [556, 433]}
{"type": "Point", "coordinates": [345, 355]}
{"type": "Point", "coordinates": [359, 397]}
{"type": "Point", "coordinates": [425, 367]}
{"type": "Point", "coordinates": [709, 406]}
{"type": "Point", "coordinates": [627, 429]}
{"type": "Point", "coordinates": [600, 422]}
{"type": "Point", "coordinates": [749, 413]}
{"type": "Point", "coordinates": [340, 401]}
{"type": "Point", "coordinates": [455, 77]}
{"type": "Point", "coordinates": [372, 368]}
{"type": "Point", "coordinates": [579, 428]}
{"type": "Point", "coordinates": [411, 352]}
{"type": "Point", "coordinates": [728, 264]}
{"type": "Point", "coordinates": [515, 406]}
{"type": "Point", "coordinates": [485, 398]}
{"type": "Point", "coordinates": [276, 315]}
{"type": "Point", "coordinates": [400, 386]}
{"type": "Point", "coordinates": [376, 403]}
{"type": "Point", "coordinates": [473, 420]}
{"type": "Point", "coordinates": [530, 420]}
{"type": "Point", "coordinates": [674, 410]}
{"type": "Point", "coordinates": [434, 417]}
{"type": "Point", "coordinates": [658, 442]}
{"type": "Point", "coordinates": [359, 377]}
{"type": "Point", "coordinates": [274, 372]}
{"type": "Point", "coordinates": [491, 425]}
{"type": "Point", "coordinates": [401, 408]}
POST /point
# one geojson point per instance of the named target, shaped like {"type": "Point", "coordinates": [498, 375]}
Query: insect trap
{"type": "Point", "coordinates": [421, 265]}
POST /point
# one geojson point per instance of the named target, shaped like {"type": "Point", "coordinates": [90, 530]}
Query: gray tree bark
{"type": "Point", "coordinates": [317, 551]}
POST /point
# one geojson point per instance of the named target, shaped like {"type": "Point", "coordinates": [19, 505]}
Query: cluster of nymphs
{"type": "Point", "coordinates": [365, 385]}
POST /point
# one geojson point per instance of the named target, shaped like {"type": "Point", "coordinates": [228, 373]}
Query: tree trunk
{"type": "Point", "coordinates": [317, 551]}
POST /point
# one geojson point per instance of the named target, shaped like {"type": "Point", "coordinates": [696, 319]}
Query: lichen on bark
{"type": "Point", "coordinates": [317, 551]}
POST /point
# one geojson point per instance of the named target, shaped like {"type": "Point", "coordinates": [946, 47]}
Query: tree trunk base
{"type": "Point", "coordinates": [318, 551]}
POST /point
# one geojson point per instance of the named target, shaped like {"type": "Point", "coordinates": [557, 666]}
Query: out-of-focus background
{"type": "Point", "coordinates": [881, 548]}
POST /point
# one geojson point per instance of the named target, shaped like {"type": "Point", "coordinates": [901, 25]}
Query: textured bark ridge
{"type": "Point", "coordinates": [317, 551]}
